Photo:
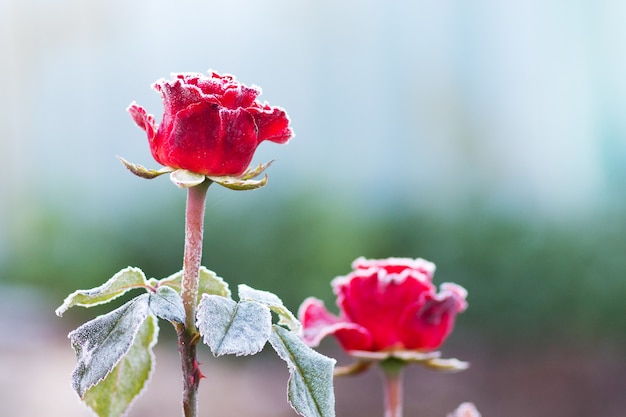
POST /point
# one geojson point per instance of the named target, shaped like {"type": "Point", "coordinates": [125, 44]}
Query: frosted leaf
{"type": "Point", "coordinates": [103, 341]}
{"type": "Point", "coordinates": [166, 304]}
{"type": "Point", "coordinates": [233, 328]}
{"type": "Point", "coordinates": [208, 283]}
{"type": "Point", "coordinates": [122, 282]}
{"type": "Point", "coordinates": [285, 317]}
{"type": "Point", "coordinates": [113, 396]}
{"type": "Point", "coordinates": [310, 390]}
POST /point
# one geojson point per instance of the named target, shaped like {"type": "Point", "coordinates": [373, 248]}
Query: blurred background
{"type": "Point", "coordinates": [488, 137]}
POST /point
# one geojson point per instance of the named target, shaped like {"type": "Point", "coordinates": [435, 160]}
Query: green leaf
{"type": "Point", "coordinates": [208, 283]}
{"type": "Point", "coordinates": [274, 303]}
{"type": "Point", "coordinates": [233, 328]}
{"type": "Point", "coordinates": [122, 282]}
{"type": "Point", "coordinates": [112, 396]}
{"type": "Point", "coordinates": [103, 341]}
{"type": "Point", "coordinates": [166, 304]}
{"type": "Point", "coordinates": [310, 389]}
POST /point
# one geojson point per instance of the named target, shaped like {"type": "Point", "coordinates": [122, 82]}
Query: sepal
{"type": "Point", "coordinates": [446, 365]}
{"type": "Point", "coordinates": [238, 184]}
{"type": "Point", "coordinates": [256, 171]}
{"type": "Point", "coordinates": [143, 172]}
{"type": "Point", "coordinates": [183, 178]}
{"type": "Point", "coordinates": [353, 369]}
{"type": "Point", "coordinates": [431, 360]}
{"type": "Point", "coordinates": [244, 181]}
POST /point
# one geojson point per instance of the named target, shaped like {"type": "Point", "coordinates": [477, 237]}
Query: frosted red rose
{"type": "Point", "coordinates": [386, 305]}
{"type": "Point", "coordinates": [211, 124]}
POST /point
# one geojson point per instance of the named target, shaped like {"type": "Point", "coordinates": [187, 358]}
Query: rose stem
{"type": "Point", "coordinates": [392, 379]}
{"type": "Point", "coordinates": [188, 334]}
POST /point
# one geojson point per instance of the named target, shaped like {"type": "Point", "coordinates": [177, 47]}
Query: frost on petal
{"type": "Point", "coordinates": [315, 320]}
{"type": "Point", "coordinates": [237, 141]}
{"type": "Point", "coordinates": [272, 124]}
{"type": "Point", "coordinates": [210, 141]}
{"type": "Point", "coordinates": [317, 323]}
{"type": "Point", "coordinates": [143, 119]}
{"type": "Point", "coordinates": [376, 301]}
{"type": "Point", "coordinates": [397, 265]}
{"type": "Point", "coordinates": [239, 95]}
{"type": "Point", "coordinates": [449, 289]}
{"type": "Point", "coordinates": [177, 95]}
{"type": "Point", "coordinates": [386, 305]}
{"type": "Point", "coordinates": [428, 322]}
{"type": "Point", "coordinates": [211, 124]}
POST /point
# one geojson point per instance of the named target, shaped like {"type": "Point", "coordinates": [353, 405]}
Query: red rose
{"type": "Point", "coordinates": [386, 305]}
{"type": "Point", "coordinates": [211, 124]}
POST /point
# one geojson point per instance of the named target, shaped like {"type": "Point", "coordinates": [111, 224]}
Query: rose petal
{"type": "Point", "coordinates": [429, 321]}
{"type": "Point", "coordinates": [272, 124]}
{"type": "Point", "coordinates": [396, 265]}
{"type": "Point", "coordinates": [376, 301]}
{"type": "Point", "coordinates": [317, 323]}
{"type": "Point", "coordinates": [211, 124]}
{"type": "Point", "coordinates": [209, 140]}
{"type": "Point", "coordinates": [177, 95]}
{"type": "Point", "coordinates": [143, 119]}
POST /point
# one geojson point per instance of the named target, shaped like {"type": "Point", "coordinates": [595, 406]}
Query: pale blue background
{"type": "Point", "coordinates": [516, 104]}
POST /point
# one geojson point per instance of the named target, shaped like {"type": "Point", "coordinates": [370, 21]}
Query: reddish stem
{"type": "Point", "coordinates": [188, 335]}
{"type": "Point", "coordinates": [392, 379]}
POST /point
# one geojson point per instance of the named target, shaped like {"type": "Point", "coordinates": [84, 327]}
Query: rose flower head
{"type": "Point", "coordinates": [211, 126]}
{"type": "Point", "coordinates": [388, 308]}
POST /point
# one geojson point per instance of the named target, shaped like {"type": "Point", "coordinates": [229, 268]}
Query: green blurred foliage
{"type": "Point", "coordinates": [527, 280]}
